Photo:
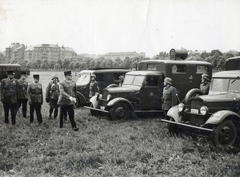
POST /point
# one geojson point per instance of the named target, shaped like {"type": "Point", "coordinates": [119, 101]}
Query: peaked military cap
{"type": "Point", "coordinates": [10, 72]}
{"type": "Point", "coordinates": [36, 76]}
{"type": "Point", "coordinates": [67, 73]}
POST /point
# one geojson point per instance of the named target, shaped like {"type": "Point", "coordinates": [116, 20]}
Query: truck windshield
{"type": "Point", "coordinates": [134, 80]}
{"type": "Point", "coordinates": [234, 85]}
{"type": "Point", "coordinates": [84, 79]}
{"type": "Point", "coordinates": [219, 86]}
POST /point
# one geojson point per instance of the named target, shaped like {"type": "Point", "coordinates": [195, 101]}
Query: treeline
{"type": "Point", "coordinates": [216, 57]}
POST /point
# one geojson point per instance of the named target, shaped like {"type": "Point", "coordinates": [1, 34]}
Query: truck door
{"type": "Point", "coordinates": [151, 93]}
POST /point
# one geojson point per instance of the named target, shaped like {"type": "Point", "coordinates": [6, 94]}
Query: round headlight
{"type": "Point", "coordinates": [180, 107]}
{"type": "Point", "coordinates": [108, 97]}
{"type": "Point", "coordinates": [203, 110]}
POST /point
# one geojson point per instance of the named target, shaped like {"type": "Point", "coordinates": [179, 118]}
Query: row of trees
{"type": "Point", "coordinates": [216, 57]}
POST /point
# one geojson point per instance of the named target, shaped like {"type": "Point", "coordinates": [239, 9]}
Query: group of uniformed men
{"type": "Point", "coordinates": [16, 93]}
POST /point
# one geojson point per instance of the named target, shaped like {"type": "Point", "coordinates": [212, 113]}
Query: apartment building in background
{"type": "Point", "coordinates": [15, 52]}
{"type": "Point", "coordinates": [123, 55]}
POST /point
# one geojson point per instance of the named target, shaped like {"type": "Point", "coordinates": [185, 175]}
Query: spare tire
{"type": "Point", "coordinates": [192, 93]}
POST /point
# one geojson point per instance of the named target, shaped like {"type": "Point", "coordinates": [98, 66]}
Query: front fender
{"type": "Point", "coordinates": [220, 116]}
{"type": "Point", "coordinates": [174, 113]}
{"type": "Point", "coordinates": [81, 97]}
{"type": "Point", "coordinates": [117, 100]}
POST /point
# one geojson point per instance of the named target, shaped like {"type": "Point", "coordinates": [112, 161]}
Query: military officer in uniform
{"type": "Point", "coordinates": [67, 99]}
{"type": "Point", "coordinates": [22, 93]}
{"type": "Point", "coordinates": [9, 88]}
{"type": "Point", "coordinates": [204, 86]}
{"type": "Point", "coordinates": [52, 94]}
{"type": "Point", "coordinates": [169, 95]}
{"type": "Point", "coordinates": [93, 88]}
{"type": "Point", "coordinates": [35, 98]}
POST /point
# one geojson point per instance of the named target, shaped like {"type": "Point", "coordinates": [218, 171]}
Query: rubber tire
{"type": "Point", "coordinates": [230, 130]}
{"type": "Point", "coordinates": [120, 111]}
{"type": "Point", "coordinates": [173, 129]}
{"type": "Point", "coordinates": [191, 93]}
{"type": "Point", "coordinates": [93, 112]}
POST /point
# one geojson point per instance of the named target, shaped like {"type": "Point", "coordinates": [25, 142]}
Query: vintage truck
{"type": "Point", "coordinates": [104, 77]}
{"type": "Point", "coordinates": [216, 115]}
{"type": "Point", "coordinates": [141, 91]}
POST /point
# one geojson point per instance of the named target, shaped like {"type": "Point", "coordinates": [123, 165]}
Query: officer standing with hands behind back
{"type": "Point", "coordinates": [35, 99]}
{"type": "Point", "coordinates": [9, 89]}
{"type": "Point", "coordinates": [169, 95]}
{"type": "Point", "coordinates": [67, 99]}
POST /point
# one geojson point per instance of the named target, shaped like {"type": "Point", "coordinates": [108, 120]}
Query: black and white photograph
{"type": "Point", "coordinates": [119, 88]}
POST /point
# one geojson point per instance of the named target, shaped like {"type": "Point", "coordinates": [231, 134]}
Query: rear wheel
{"type": "Point", "coordinates": [119, 111]}
{"type": "Point", "coordinates": [225, 134]}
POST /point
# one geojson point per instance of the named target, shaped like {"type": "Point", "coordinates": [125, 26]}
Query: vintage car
{"type": "Point", "coordinates": [104, 76]}
{"type": "Point", "coordinates": [216, 115]}
{"type": "Point", "coordinates": [142, 90]}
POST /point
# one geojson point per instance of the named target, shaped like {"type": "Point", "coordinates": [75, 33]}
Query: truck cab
{"type": "Point", "coordinates": [104, 77]}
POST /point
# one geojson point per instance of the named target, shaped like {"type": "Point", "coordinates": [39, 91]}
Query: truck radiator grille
{"type": "Point", "coordinates": [196, 104]}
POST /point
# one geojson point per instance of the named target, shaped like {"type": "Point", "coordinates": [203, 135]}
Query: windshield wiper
{"type": "Point", "coordinates": [235, 79]}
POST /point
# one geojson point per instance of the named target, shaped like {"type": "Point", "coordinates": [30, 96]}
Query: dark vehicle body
{"type": "Point", "coordinates": [216, 114]}
{"type": "Point", "coordinates": [142, 90]}
{"type": "Point", "coordinates": [232, 63]}
{"type": "Point", "coordinates": [104, 77]}
{"type": "Point", "coordinates": [16, 68]}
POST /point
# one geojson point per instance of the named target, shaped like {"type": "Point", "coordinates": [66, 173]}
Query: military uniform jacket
{"type": "Point", "coordinates": [67, 90]}
{"type": "Point", "coordinates": [22, 91]}
{"type": "Point", "coordinates": [205, 87]}
{"type": "Point", "coordinates": [35, 93]}
{"type": "Point", "coordinates": [9, 88]}
{"type": "Point", "coordinates": [169, 97]}
{"type": "Point", "coordinates": [93, 88]}
{"type": "Point", "coordinates": [52, 91]}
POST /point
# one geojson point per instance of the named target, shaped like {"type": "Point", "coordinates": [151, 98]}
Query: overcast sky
{"type": "Point", "coordinates": [102, 26]}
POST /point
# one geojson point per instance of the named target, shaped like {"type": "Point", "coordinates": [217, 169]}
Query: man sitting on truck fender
{"type": "Point", "coordinates": [169, 98]}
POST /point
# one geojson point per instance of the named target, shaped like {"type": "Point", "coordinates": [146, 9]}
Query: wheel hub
{"type": "Point", "coordinates": [226, 135]}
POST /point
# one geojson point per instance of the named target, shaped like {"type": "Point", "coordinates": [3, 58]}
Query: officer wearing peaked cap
{"type": "Point", "coordinates": [67, 99]}
{"type": "Point", "coordinates": [22, 93]}
{"type": "Point", "coordinates": [35, 98]}
{"type": "Point", "coordinates": [9, 88]}
{"type": "Point", "coordinates": [169, 95]}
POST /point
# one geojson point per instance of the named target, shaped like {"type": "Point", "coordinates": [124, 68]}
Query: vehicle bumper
{"type": "Point", "coordinates": [96, 109]}
{"type": "Point", "coordinates": [187, 125]}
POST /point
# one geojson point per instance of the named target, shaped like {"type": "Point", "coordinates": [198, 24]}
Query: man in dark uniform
{"type": "Point", "coordinates": [67, 99]}
{"type": "Point", "coordinates": [9, 88]}
{"type": "Point", "coordinates": [169, 95]}
{"type": "Point", "coordinates": [22, 93]}
{"type": "Point", "coordinates": [35, 99]}
{"type": "Point", "coordinates": [93, 88]}
{"type": "Point", "coordinates": [204, 86]}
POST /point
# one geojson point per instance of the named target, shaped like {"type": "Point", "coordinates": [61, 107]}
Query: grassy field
{"type": "Point", "coordinates": [140, 147]}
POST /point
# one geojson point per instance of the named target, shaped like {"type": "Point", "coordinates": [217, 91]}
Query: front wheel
{"type": "Point", "coordinates": [225, 134]}
{"type": "Point", "coordinates": [119, 111]}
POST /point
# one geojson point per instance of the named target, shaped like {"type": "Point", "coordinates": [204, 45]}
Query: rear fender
{"type": "Point", "coordinates": [117, 100]}
{"type": "Point", "coordinates": [220, 116]}
{"type": "Point", "coordinates": [174, 113]}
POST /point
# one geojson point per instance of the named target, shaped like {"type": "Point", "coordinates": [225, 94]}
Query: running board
{"type": "Point", "coordinates": [186, 125]}
{"type": "Point", "coordinates": [95, 109]}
